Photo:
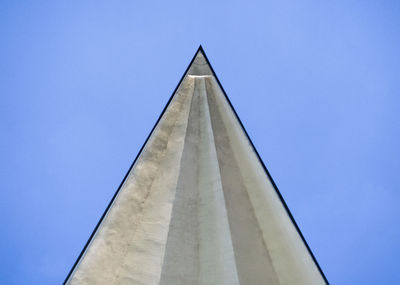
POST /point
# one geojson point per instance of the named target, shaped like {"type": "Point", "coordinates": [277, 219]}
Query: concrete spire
{"type": "Point", "coordinates": [197, 206]}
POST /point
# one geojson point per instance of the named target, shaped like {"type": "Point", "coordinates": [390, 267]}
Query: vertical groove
{"type": "Point", "coordinates": [292, 263]}
{"type": "Point", "coordinates": [143, 261]}
{"type": "Point", "coordinates": [134, 226]}
{"type": "Point", "coordinates": [180, 264]}
{"type": "Point", "coordinates": [254, 264]}
{"type": "Point", "coordinates": [217, 262]}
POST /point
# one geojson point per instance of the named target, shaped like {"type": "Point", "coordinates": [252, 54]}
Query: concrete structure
{"type": "Point", "coordinates": [197, 206]}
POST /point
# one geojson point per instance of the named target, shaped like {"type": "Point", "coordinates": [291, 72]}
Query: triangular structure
{"type": "Point", "coordinates": [197, 205]}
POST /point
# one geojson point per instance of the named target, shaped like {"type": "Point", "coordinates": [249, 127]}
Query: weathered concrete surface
{"type": "Point", "coordinates": [197, 207]}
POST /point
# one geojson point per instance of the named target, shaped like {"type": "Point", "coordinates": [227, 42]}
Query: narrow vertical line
{"type": "Point", "coordinates": [119, 241]}
{"type": "Point", "coordinates": [254, 264]}
{"type": "Point", "coordinates": [217, 261]}
{"type": "Point", "coordinates": [180, 261]}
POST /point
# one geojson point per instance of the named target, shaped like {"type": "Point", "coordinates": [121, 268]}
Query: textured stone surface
{"type": "Point", "coordinates": [197, 206]}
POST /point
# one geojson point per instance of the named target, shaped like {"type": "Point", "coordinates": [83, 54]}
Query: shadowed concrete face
{"type": "Point", "coordinates": [197, 207]}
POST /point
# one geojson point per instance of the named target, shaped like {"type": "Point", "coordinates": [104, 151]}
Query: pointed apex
{"type": "Point", "coordinates": [200, 49]}
{"type": "Point", "coordinates": [200, 64]}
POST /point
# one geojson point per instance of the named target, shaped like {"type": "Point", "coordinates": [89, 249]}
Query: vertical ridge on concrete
{"type": "Point", "coordinates": [144, 258]}
{"type": "Point", "coordinates": [181, 259]}
{"type": "Point", "coordinates": [217, 262]}
{"type": "Point", "coordinates": [138, 217]}
{"type": "Point", "coordinates": [198, 206]}
{"type": "Point", "coordinates": [252, 258]}
{"type": "Point", "coordinates": [288, 258]}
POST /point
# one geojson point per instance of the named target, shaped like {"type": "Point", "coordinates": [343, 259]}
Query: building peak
{"type": "Point", "coordinates": [197, 206]}
{"type": "Point", "coordinates": [200, 64]}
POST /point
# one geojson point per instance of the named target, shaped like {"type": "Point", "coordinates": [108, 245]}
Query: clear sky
{"type": "Point", "coordinates": [316, 84]}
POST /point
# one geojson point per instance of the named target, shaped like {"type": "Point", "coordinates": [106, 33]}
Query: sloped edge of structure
{"type": "Point", "coordinates": [266, 169]}
{"type": "Point", "coordinates": [129, 170]}
{"type": "Point", "coordinates": [200, 49]}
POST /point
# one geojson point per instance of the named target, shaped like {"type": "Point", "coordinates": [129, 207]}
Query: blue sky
{"type": "Point", "coordinates": [316, 84]}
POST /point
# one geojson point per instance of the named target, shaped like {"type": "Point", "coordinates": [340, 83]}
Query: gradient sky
{"type": "Point", "coordinates": [316, 84]}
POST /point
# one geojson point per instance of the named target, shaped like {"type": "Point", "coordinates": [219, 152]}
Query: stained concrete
{"type": "Point", "coordinates": [197, 207]}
